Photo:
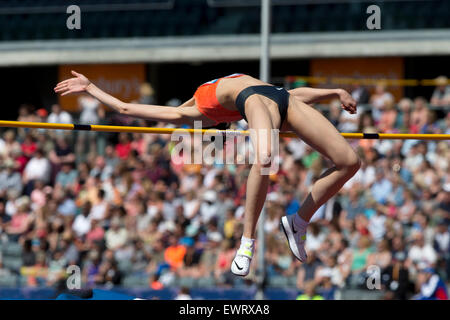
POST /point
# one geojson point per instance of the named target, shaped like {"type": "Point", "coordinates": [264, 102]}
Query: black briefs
{"type": "Point", "coordinates": [277, 94]}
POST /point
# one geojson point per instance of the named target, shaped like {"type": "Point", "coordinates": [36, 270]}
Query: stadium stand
{"type": "Point", "coordinates": [195, 17]}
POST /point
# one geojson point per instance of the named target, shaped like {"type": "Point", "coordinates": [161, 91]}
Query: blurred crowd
{"type": "Point", "coordinates": [121, 208]}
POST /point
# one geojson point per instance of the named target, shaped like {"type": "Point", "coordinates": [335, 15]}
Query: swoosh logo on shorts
{"type": "Point", "coordinates": [238, 266]}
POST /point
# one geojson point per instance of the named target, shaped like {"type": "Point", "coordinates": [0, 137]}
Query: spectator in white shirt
{"type": "Point", "coordinates": [38, 168]}
{"type": "Point", "coordinates": [58, 115]}
{"type": "Point", "coordinates": [82, 224]}
{"type": "Point", "coordinates": [421, 252]}
{"type": "Point", "coordinates": [100, 209]}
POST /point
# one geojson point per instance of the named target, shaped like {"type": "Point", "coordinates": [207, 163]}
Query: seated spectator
{"type": "Point", "coordinates": [29, 146]}
{"type": "Point", "coordinates": [123, 148]}
{"type": "Point", "coordinates": [38, 168]}
{"type": "Point", "coordinates": [96, 232]}
{"type": "Point", "coordinates": [58, 115]}
{"type": "Point", "coordinates": [10, 179]}
{"type": "Point", "coordinates": [8, 143]}
{"type": "Point", "coordinates": [116, 236]}
{"type": "Point", "coordinates": [62, 153]}
{"type": "Point", "coordinates": [183, 294]}
{"type": "Point", "coordinates": [382, 257]}
{"type": "Point", "coordinates": [379, 100]}
{"type": "Point", "coordinates": [432, 287]}
{"type": "Point", "coordinates": [388, 118]}
{"type": "Point", "coordinates": [381, 188]}
{"type": "Point", "coordinates": [419, 115]}
{"type": "Point", "coordinates": [175, 252]}
{"type": "Point", "coordinates": [395, 279]}
{"type": "Point", "coordinates": [405, 106]}
{"type": "Point", "coordinates": [100, 210]}
{"type": "Point", "coordinates": [307, 270]}
{"type": "Point", "coordinates": [441, 94]}
{"type": "Point", "coordinates": [421, 252]}
{"type": "Point", "coordinates": [21, 220]}
{"type": "Point", "coordinates": [310, 292]}
{"type": "Point", "coordinates": [360, 257]}
{"type": "Point", "coordinates": [67, 176]}
{"type": "Point", "coordinates": [360, 94]}
{"type": "Point", "coordinates": [82, 224]}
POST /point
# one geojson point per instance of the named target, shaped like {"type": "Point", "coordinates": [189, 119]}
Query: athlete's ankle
{"type": "Point", "coordinates": [300, 222]}
{"type": "Point", "coordinates": [247, 242]}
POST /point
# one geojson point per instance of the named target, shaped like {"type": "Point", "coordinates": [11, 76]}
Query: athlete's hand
{"type": "Point", "coordinates": [73, 85]}
{"type": "Point", "coordinates": [347, 101]}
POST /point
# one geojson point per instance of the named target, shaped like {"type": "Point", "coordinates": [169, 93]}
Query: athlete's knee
{"type": "Point", "coordinates": [264, 160]}
{"type": "Point", "coordinates": [352, 163]}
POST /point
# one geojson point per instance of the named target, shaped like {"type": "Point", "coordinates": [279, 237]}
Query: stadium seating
{"type": "Point", "coordinates": [196, 17]}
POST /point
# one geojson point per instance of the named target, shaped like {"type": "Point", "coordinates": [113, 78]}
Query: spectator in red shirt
{"type": "Point", "coordinates": [123, 148]}
{"type": "Point", "coordinates": [29, 146]}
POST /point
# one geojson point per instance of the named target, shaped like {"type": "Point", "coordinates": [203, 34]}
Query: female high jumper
{"type": "Point", "coordinates": [263, 106]}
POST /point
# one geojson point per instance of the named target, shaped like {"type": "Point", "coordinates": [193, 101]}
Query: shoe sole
{"type": "Point", "coordinates": [239, 275]}
{"type": "Point", "coordinates": [285, 225]}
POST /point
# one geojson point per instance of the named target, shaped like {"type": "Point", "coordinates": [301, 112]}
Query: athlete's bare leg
{"type": "Point", "coordinates": [314, 129]}
{"type": "Point", "coordinates": [262, 116]}
{"type": "Point", "coordinates": [261, 120]}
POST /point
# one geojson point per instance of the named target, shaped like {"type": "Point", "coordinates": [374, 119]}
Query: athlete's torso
{"type": "Point", "coordinates": [227, 88]}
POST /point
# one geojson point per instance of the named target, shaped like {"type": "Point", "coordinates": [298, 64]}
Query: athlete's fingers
{"type": "Point", "coordinates": [61, 88]}
{"type": "Point", "coordinates": [64, 82]}
{"type": "Point", "coordinates": [66, 93]}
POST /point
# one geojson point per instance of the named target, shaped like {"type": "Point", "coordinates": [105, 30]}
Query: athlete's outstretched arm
{"type": "Point", "coordinates": [158, 113]}
{"type": "Point", "coordinates": [313, 95]}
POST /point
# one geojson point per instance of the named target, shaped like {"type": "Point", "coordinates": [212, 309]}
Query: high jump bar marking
{"type": "Point", "coordinates": [104, 128]}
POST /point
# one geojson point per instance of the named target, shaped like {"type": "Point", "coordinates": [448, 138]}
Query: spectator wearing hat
{"type": "Point", "coordinates": [441, 244]}
{"type": "Point", "coordinates": [441, 94]}
{"type": "Point", "coordinates": [431, 285]}
{"type": "Point", "coordinates": [9, 178]}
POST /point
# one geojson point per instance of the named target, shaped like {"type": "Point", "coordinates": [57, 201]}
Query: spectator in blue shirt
{"type": "Point", "coordinates": [381, 188]}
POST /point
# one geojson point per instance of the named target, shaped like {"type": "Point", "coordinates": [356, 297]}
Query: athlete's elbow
{"type": "Point", "coordinates": [123, 108]}
{"type": "Point", "coordinates": [179, 118]}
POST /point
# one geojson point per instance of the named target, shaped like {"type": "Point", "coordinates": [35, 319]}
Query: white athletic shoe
{"type": "Point", "coordinates": [295, 236]}
{"type": "Point", "coordinates": [241, 262]}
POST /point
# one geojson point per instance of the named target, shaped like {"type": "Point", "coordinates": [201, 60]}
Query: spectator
{"type": "Point", "coordinates": [175, 252]}
{"type": "Point", "coordinates": [360, 258]}
{"type": "Point", "coordinates": [9, 178]}
{"type": "Point", "coordinates": [420, 252]}
{"type": "Point", "coordinates": [310, 292]}
{"type": "Point", "coordinates": [38, 168]}
{"type": "Point", "coordinates": [116, 236]}
{"type": "Point", "coordinates": [307, 271]}
{"type": "Point", "coordinates": [360, 94]}
{"type": "Point", "coordinates": [441, 94]}
{"type": "Point", "coordinates": [183, 294]}
{"type": "Point", "coordinates": [379, 100]}
{"type": "Point", "coordinates": [58, 115]}
{"type": "Point", "coordinates": [431, 285]}
{"type": "Point", "coordinates": [396, 279]}
{"type": "Point", "coordinates": [82, 224]}
{"type": "Point", "coordinates": [419, 115]}
{"type": "Point", "coordinates": [382, 187]}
